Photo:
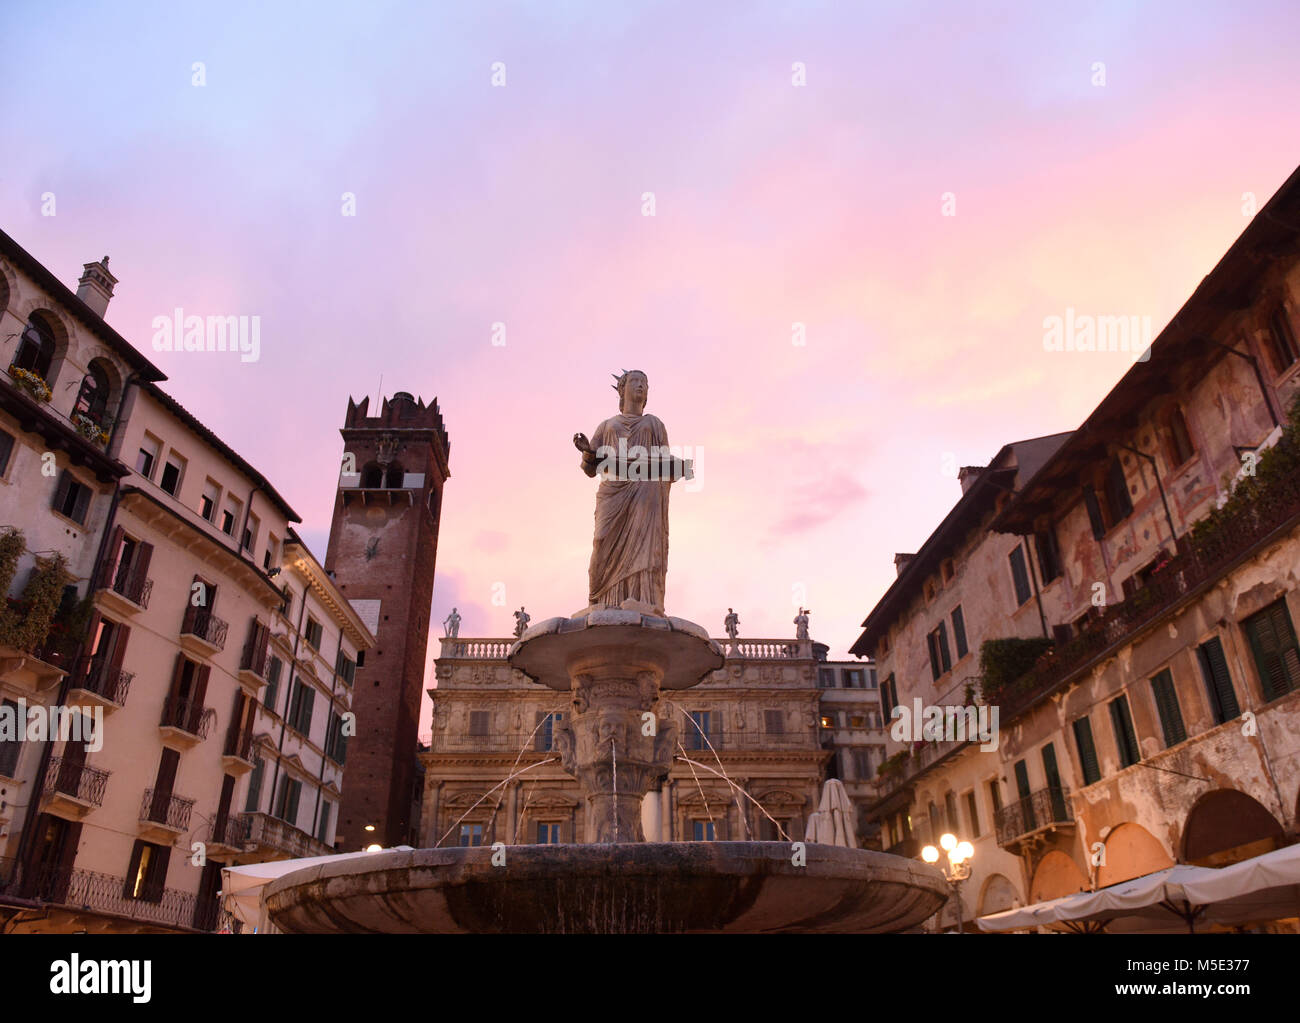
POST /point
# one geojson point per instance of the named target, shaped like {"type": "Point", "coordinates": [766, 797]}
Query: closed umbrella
{"type": "Point", "coordinates": [832, 822]}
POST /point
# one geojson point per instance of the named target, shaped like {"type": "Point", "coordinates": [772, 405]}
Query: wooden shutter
{"type": "Point", "coordinates": [943, 646]}
{"type": "Point", "coordinates": [61, 490]}
{"type": "Point", "coordinates": [201, 689]}
{"type": "Point", "coordinates": [140, 570]}
{"type": "Point", "coordinates": [82, 505]}
{"type": "Point", "coordinates": [308, 702]}
{"type": "Point", "coordinates": [120, 636]}
{"type": "Point", "coordinates": [1094, 513]}
{"type": "Point", "coordinates": [1022, 779]}
{"type": "Point", "coordinates": [323, 827]}
{"type": "Point", "coordinates": [295, 791]}
{"type": "Point", "coordinates": [223, 807]}
{"type": "Point", "coordinates": [254, 786]}
{"type": "Point", "coordinates": [1125, 738]}
{"type": "Point", "coordinates": [156, 881]}
{"type": "Point", "coordinates": [178, 673]}
{"type": "Point", "coordinates": [959, 631]}
{"type": "Point", "coordinates": [132, 868]}
{"type": "Point", "coordinates": [1087, 750]}
{"type": "Point", "coordinates": [932, 641]}
{"type": "Point", "coordinates": [1273, 642]}
{"type": "Point", "coordinates": [1218, 682]}
{"type": "Point", "coordinates": [105, 578]}
{"type": "Point", "coordinates": [166, 778]}
{"type": "Point", "coordinates": [1117, 491]}
{"type": "Point", "coordinates": [1171, 718]}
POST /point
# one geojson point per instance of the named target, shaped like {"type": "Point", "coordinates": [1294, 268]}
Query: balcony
{"type": "Point", "coordinates": [1027, 822]}
{"type": "Point", "coordinates": [186, 722]}
{"type": "Point", "coordinates": [254, 662]}
{"type": "Point", "coordinates": [477, 649]}
{"type": "Point", "coordinates": [127, 594]}
{"type": "Point", "coordinates": [269, 837]}
{"type": "Point", "coordinates": [164, 816]}
{"type": "Point", "coordinates": [72, 788]}
{"type": "Point", "coordinates": [237, 756]}
{"type": "Point", "coordinates": [98, 684]}
{"type": "Point", "coordinates": [202, 633]}
{"type": "Point", "coordinates": [1199, 563]}
{"type": "Point", "coordinates": [228, 837]}
{"type": "Point", "coordinates": [88, 891]}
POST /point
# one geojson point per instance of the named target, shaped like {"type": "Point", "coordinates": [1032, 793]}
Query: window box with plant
{"type": "Point", "coordinates": [91, 428]}
{"type": "Point", "coordinates": [31, 382]}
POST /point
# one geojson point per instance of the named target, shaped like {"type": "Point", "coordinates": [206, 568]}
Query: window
{"type": "Point", "coordinates": [72, 498]}
{"type": "Point", "coordinates": [323, 829]}
{"type": "Point", "coordinates": [1281, 341]}
{"type": "Point", "coordinates": [862, 764]}
{"type": "Point", "coordinates": [1118, 504]}
{"type": "Point", "coordinates": [6, 450]}
{"type": "Point", "coordinates": [1125, 738]}
{"type": "Point", "coordinates": [146, 877]}
{"type": "Point", "coordinates": [1273, 643]}
{"type": "Point", "coordinates": [548, 833]}
{"type": "Point", "coordinates": [336, 742]}
{"type": "Point", "coordinates": [702, 831]}
{"type": "Point", "coordinates": [972, 814]}
{"type": "Point", "coordinates": [478, 722]}
{"type": "Point", "coordinates": [544, 731]}
{"type": "Point", "coordinates": [888, 697]}
{"type": "Point", "coordinates": [1171, 717]}
{"type": "Point", "coordinates": [36, 349]}
{"type": "Point", "coordinates": [828, 721]}
{"type": "Point", "coordinates": [346, 668]}
{"type": "Point", "coordinates": [698, 730]}
{"type": "Point", "coordinates": [272, 683]}
{"type": "Point", "coordinates": [1178, 442]}
{"type": "Point", "coordinates": [1087, 750]}
{"type": "Point", "coordinates": [959, 631]}
{"type": "Point", "coordinates": [286, 801]}
{"type": "Point", "coordinates": [255, 786]}
{"type": "Point", "coordinates": [228, 522]}
{"type": "Point", "coordinates": [372, 476]}
{"type": "Point", "coordinates": [946, 570]}
{"type": "Point", "coordinates": [857, 721]}
{"type": "Point", "coordinates": [995, 795]}
{"type": "Point", "coordinates": [272, 551]}
{"type": "Point", "coordinates": [471, 834]}
{"type": "Point", "coordinates": [773, 722]}
{"type": "Point", "coordinates": [208, 502]}
{"type": "Point", "coordinates": [314, 633]}
{"type": "Point", "coordinates": [950, 811]}
{"type": "Point", "coordinates": [1020, 576]}
{"type": "Point", "coordinates": [825, 678]}
{"type": "Point", "coordinates": [300, 707]}
{"type": "Point", "coordinates": [172, 473]}
{"type": "Point", "coordinates": [148, 457]}
{"type": "Point", "coordinates": [853, 678]}
{"type": "Point", "coordinates": [1094, 514]}
{"type": "Point", "coordinates": [940, 660]}
{"type": "Point", "coordinates": [1049, 555]}
{"type": "Point", "coordinates": [286, 605]}
{"type": "Point", "coordinates": [11, 747]}
{"type": "Point", "coordinates": [92, 397]}
{"type": "Point", "coordinates": [1218, 683]}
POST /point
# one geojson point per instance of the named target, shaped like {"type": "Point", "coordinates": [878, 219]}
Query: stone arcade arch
{"type": "Point", "coordinates": [1056, 875]}
{"type": "Point", "coordinates": [1131, 851]}
{"type": "Point", "coordinates": [1226, 826]}
{"type": "Point", "coordinates": [996, 894]}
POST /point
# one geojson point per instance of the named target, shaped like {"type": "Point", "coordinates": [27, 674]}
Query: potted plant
{"type": "Point", "coordinates": [90, 428]}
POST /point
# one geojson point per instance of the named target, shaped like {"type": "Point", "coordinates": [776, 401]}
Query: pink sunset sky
{"type": "Point", "coordinates": [819, 204]}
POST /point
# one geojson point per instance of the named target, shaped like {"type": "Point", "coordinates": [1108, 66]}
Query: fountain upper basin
{"type": "Point", "coordinates": [651, 887]}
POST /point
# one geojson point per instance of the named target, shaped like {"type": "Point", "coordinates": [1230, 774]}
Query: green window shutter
{"type": "Point", "coordinates": [1020, 576]}
{"type": "Point", "coordinates": [959, 631]}
{"type": "Point", "coordinates": [943, 647]}
{"type": "Point", "coordinates": [254, 787]}
{"type": "Point", "coordinates": [1125, 738]}
{"type": "Point", "coordinates": [1273, 643]}
{"type": "Point", "coordinates": [324, 827]}
{"type": "Point", "coordinates": [1087, 751]}
{"type": "Point", "coordinates": [1094, 514]}
{"type": "Point", "coordinates": [1171, 716]}
{"type": "Point", "coordinates": [1022, 779]}
{"type": "Point", "coordinates": [932, 641]}
{"type": "Point", "coordinates": [1218, 682]}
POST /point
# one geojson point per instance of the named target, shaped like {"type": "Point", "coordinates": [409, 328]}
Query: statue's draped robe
{"type": "Point", "coordinates": [629, 556]}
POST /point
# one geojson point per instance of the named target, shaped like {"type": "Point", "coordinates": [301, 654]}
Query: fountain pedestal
{"type": "Point", "coordinates": [616, 663]}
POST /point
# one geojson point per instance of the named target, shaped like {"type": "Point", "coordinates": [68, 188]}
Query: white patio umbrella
{"type": "Point", "coordinates": [241, 887]}
{"type": "Point", "coordinates": [1179, 898]}
{"type": "Point", "coordinates": [832, 822]}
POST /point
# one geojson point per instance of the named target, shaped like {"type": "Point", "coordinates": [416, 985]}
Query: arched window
{"type": "Point", "coordinates": [395, 474]}
{"type": "Point", "coordinates": [36, 348]}
{"type": "Point", "coordinates": [372, 476]}
{"type": "Point", "coordinates": [92, 399]}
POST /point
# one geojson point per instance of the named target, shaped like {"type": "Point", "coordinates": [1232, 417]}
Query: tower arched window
{"type": "Point", "coordinates": [92, 399]}
{"type": "Point", "coordinates": [36, 348]}
{"type": "Point", "coordinates": [395, 475]}
{"type": "Point", "coordinates": [372, 476]}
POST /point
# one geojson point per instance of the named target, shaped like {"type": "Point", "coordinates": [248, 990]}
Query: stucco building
{"type": "Point", "coordinates": [1155, 718]}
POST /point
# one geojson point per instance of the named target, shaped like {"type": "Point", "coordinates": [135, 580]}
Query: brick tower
{"type": "Point", "coordinates": [382, 548]}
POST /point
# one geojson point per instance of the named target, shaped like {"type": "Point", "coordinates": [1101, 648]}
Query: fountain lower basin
{"type": "Point", "coordinates": [630, 888]}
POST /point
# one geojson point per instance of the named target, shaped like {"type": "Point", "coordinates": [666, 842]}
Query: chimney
{"type": "Point", "coordinates": [901, 560]}
{"type": "Point", "coordinates": [96, 285]}
{"type": "Point", "coordinates": [967, 475]}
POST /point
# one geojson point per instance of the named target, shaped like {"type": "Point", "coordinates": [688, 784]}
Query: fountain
{"type": "Point", "coordinates": [615, 658]}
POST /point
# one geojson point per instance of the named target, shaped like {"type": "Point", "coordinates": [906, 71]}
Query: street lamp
{"type": "Point", "coordinates": [958, 869]}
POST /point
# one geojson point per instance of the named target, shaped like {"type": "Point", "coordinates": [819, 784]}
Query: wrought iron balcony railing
{"type": "Point", "coordinates": [233, 831]}
{"type": "Point", "coordinates": [166, 809]}
{"type": "Point", "coordinates": [97, 675]}
{"type": "Point", "coordinates": [133, 585]}
{"type": "Point", "coordinates": [76, 779]}
{"type": "Point", "coordinates": [188, 716]}
{"type": "Point", "coordinates": [205, 625]}
{"type": "Point", "coordinates": [239, 744]}
{"type": "Point", "coordinates": [1042, 809]}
